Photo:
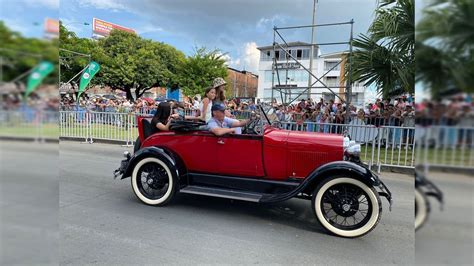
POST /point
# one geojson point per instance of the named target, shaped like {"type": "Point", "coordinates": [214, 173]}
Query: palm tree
{"type": "Point", "coordinates": [445, 47]}
{"type": "Point", "coordinates": [385, 55]}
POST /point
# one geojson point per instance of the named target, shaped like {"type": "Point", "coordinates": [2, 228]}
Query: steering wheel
{"type": "Point", "coordinates": [252, 127]}
{"type": "Point", "coordinates": [277, 124]}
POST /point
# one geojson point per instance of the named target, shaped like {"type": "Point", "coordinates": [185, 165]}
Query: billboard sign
{"type": "Point", "coordinates": [51, 27]}
{"type": "Point", "coordinates": [103, 28]}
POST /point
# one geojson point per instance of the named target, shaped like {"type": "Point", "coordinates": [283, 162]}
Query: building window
{"type": "Point", "coordinates": [332, 81]}
{"type": "Point", "coordinates": [305, 54]}
{"type": "Point", "coordinates": [266, 55]}
{"type": "Point", "coordinates": [330, 64]}
{"type": "Point", "coordinates": [277, 54]}
{"type": "Point", "coordinates": [299, 54]}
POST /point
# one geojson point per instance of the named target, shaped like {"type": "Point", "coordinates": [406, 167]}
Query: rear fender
{"type": "Point", "coordinates": [148, 152]}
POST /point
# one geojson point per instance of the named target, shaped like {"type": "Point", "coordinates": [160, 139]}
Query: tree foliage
{"type": "Point", "coordinates": [20, 54]}
{"type": "Point", "coordinates": [385, 55]}
{"type": "Point", "coordinates": [131, 63]}
{"type": "Point", "coordinates": [200, 69]}
{"type": "Point", "coordinates": [445, 47]}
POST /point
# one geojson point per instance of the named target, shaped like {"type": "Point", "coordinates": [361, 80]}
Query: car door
{"type": "Point", "coordinates": [240, 155]}
{"type": "Point", "coordinates": [198, 150]}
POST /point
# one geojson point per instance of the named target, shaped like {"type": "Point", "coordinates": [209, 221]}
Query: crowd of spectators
{"type": "Point", "coordinates": [15, 101]}
{"type": "Point", "coordinates": [388, 112]}
{"type": "Point", "coordinates": [399, 111]}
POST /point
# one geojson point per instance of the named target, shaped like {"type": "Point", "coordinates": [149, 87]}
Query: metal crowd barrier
{"type": "Point", "coordinates": [405, 147]}
{"type": "Point", "coordinates": [381, 146]}
{"type": "Point", "coordinates": [98, 125]}
{"type": "Point", "coordinates": [29, 123]}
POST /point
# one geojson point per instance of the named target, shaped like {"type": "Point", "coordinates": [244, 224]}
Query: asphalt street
{"type": "Point", "coordinates": [29, 196]}
{"type": "Point", "coordinates": [101, 221]}
{"type": "Point", "coordinates": [447, 236]}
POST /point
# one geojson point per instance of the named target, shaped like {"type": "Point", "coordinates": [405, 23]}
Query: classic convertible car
{"type": "Point", "coordinates": [264, 164]}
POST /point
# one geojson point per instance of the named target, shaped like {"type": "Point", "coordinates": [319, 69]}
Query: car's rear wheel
{"type": "Point", "coordinates": [346, 206]}
{"type": "Point", "coordinates": [153, 181]}
{"type": "Point", "coordinates": [422, 209]}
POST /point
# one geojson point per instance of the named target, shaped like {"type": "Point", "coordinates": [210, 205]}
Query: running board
{"type": "Point", "coordinates": [222, 193]}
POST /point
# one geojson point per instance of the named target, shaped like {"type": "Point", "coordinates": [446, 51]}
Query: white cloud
{"type": "Point", "coordinates": [230, 62]}
{"type": "Point", "coordinates": [268, 23]}
{"type": "Point", "coordinates": [251, 57]}
{"type": "Point", "coordinates": [148, 28]}
{"type": "Point", "coordinates": [248, 58]}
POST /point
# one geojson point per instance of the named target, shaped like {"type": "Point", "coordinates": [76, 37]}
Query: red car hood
{"type": "Point", "coordinates": [315, 138]}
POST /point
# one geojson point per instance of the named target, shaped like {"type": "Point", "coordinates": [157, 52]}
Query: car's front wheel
{"type": "Point", "coordinates": [346, 206]}
{"type": "Point", "coordinates": [153, 181]}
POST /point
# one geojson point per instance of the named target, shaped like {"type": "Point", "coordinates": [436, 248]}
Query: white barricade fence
{"type": "Point", "coordinates": [381, 146]}
{"type": "Point", "coordinates": [99, 125]}
{"type": "Point", "coordinates": [444, 146]}
{"type": "Point", "coordinates": [29, 123]}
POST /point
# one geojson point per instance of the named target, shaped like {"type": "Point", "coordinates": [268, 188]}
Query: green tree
{"type": "Point", "coordinates": [19, 54]}
{"type": "Point", "coordinates": [128, 62]}
{"type": "Point", "coordinates": [445, 47]}
{"type": "Point", "coordinates": [200, 69]}
{"type": "Point", "coordinates": [385, 55]}
{"type": "Point", "coordinates": [133, 63]}
{"type": "Point", "coordinates": [70, 62]}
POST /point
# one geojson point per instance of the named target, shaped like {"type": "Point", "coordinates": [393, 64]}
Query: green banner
{"type": "Point", "coordinates": [36, 76]}
{"type": "Point", "coordinates": [86, 77]}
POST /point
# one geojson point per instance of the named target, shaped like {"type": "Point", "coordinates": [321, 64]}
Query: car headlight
{"type": "Point", "coordinates": [351, 150]}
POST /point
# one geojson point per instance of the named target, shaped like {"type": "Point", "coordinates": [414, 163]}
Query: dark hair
{"type": "Point", "coordinates": [207, 91]}
{"type": "Point", "coordinates": [163, 112]}
{"type": "Point", "coordinates": [220, 93]}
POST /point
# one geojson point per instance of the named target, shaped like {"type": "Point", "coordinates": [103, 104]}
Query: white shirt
{"type": "Point", "coordinates": [207, 112]}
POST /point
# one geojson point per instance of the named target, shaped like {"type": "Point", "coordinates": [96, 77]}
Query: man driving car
{"type": "Point", "coordinates": [220, 124]}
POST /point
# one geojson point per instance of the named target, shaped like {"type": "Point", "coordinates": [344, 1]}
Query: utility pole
{"type": "Point", "coordinates": [311, 56]}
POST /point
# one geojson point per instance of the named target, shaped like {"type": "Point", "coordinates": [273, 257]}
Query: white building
{"type": "Point", "coordinates": [293, 75]}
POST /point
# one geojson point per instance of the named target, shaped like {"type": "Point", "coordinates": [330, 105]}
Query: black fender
{"type": "Point", "coordinates": [428, 188]}
{"type": "Point", "coordinates": [156, 152]}
{"type": "Point", "coordinates": [325, 171]}
{"type": "Point", "coordinates": [351, 169]}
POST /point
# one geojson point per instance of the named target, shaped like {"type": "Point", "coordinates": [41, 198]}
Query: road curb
{"type": "Point", "coordinates": [30, 139]}
{"type": "Point", "coordinates": [105, 141]}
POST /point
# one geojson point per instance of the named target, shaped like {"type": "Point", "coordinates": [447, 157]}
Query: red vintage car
{"type": "Point", "coordinates": [264, 164]}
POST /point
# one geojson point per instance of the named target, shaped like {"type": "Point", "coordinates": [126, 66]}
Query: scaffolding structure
{"type": "Point", "coordinates": [284, 89]}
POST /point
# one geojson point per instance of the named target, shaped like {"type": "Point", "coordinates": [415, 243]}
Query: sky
{"type": "Point", "coordinates": [235, 27]}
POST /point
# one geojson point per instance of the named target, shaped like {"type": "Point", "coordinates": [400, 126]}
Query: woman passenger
{"type": "Point", "coordinates": [205, 106]}
{"type": "Point", "coordinates": [162, 119]}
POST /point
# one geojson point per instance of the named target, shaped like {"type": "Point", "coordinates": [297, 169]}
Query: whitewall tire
{"type": "Point", "coordinates": [422, 209]}
{"type": "Point", "coordinates": [152, 175]}
{"type": "Point", "coordinates": [346, 207]}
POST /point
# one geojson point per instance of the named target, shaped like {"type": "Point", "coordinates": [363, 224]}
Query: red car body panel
{"type": "Point", "coordinates": [308, 150]}
{"type": "Point", "coordinates": [277, 155]}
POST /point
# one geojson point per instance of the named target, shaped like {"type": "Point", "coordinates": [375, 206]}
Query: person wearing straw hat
{"type": "Point", "coordinates": [219, 85]}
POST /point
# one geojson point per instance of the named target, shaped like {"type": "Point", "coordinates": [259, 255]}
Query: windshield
{"type": "Point", "coordinates": [268, 113]}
